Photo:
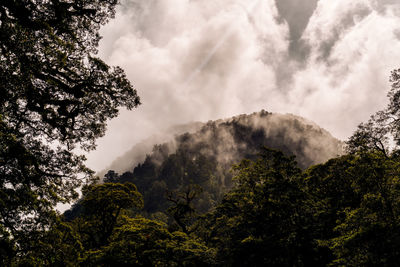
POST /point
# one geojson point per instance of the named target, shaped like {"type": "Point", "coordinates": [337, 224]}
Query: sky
{"type": "Point", "coordinates": [200, 60]}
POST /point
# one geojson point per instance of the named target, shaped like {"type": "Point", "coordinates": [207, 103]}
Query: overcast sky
{"type": "Point", "coordinates": [200, 60]}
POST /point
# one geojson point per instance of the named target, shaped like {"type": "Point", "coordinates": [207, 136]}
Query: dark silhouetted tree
{"type": "Point", "coordinates": [382, 131]}
{"type": "Point", "coordinates": [55, 95]}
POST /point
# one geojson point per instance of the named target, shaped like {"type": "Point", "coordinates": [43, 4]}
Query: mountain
{"type": "Point", "coordinates": [137, 153]}
{"type": "Point", "coordinates": [202, 159]}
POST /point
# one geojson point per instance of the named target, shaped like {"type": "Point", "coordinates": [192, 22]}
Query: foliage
{"type": "Point", "coordinates": [174, 175]}
{"type": "Point", "coordinates": [371, 135]}
{"type": "Point", "coordinates": [55, 95]}
{"type": "Point", "coordinates": [58, 246]}
{"type": "Point", "coordinates": [109, 232]}
{"type": "Point", "coordinates": [382, 131]}
{"type": "Point", "coordinates": [103, 205]}
{"type": "Point", "coordinates": [204, 158]}
{"type": "Point", "coordinates": [263, 217]}
{"type": "Point", "coordinates": [345, 212]}
{"type": "Point", "coordinates": [182, 209]}
{"type": "Point", "coordinates": [366, 228]}
{"type": "Point", "coordinates": [143, 242]}
{"type": "Point", "coordinates": [51, 84]}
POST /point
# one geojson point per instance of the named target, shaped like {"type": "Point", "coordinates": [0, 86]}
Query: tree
{"type": "Point", "coordinates": [60, 245]}
{"type": "Point", "coordinates": [182, 209]}
{"type": "Point", "coordinates": [264, 216]}
{"type": "Point", "coordinates": [55, 95]}
{"type": "Point", "coordinates": [111, 234]}
{"type": "Point", "coordinates": [111, 176]}
{"type": "Point", "coordinates": [144, 242]}
{"type": "Point", "coordinates": [356, 206]}
{"type": "Point", "coordinates": [382, 131]}
{"type": "Point", "coordinates": [103, 205]}
{"type": "Point", "coordinates": [329, 192]}
{"type": "Point", "coordinates": [373, 135]}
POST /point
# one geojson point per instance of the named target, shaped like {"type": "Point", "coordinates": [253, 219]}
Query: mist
{"type": "Point", "coordinates": [193, 60]}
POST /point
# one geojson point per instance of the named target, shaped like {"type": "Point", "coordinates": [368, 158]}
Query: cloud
{"type": "Point", "coordinates": [353, 49]}
{"type": "Point", "coordinates": [297, 15]}
{"type": "Point", "coordinates": [195, 60]}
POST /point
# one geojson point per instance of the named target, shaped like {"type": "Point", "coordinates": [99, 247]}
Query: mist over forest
{"type": "Point", "coordinates": [199, 133]}
{"type": "Point", "coordinates": [327, 61]}
{"type": "Point", "coordinates": [229, 140]}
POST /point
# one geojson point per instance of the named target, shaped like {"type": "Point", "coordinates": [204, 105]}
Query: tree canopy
{"type": "Point", "coordinates": [56, 95]}
{"type": "Point", "coordinates": [264, 216]}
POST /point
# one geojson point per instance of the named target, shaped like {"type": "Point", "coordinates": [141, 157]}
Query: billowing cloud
{"type": "Point", "coordinates": [195, 60]}
{"type": "Point", "coordinates": [353, 49]}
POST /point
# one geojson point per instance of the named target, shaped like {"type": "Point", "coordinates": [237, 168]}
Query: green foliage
{"type": "Point", "coordinates": [109, 199]}
{"type": "Point", "coordinates": [108, 233]}
{"type": "Point", "coordinates": [52, 84]}
{"type": "Point", "coordinates": [345, 212]}
{"type": "Point", "coordinates": [143, 242]}
{"type": "Point", "coordinates": [182, 209]}
{"type": "Point", "coordinates": [55, 95]}
{"type": "Point", "coordinates": [205, 157]}
{"type": "Point", "coordinates": [175, 173]}
{"type": "Point", "coordinates": [367, 229]}
{"type": "Point", "coordinates": [264, 217]}
{"type": "Point", "coordinates": [58, 246]}
{"type": "Point", "coordinates": [365, 219]}
{"type": "Point", "coordinates": [103, 206]}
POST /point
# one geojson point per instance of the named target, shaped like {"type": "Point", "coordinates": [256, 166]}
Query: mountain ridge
{"type": "Point", "coordinates": [203, 158]}
{"type": "Point", "coordinates": [138, 152]}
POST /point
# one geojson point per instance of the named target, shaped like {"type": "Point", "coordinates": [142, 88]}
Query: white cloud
{"type": "Point", "coordinates": [199, 60]}
{"type": "Point", "coordinates": [341, 88]}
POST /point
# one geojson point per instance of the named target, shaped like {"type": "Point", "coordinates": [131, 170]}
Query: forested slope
{"type": "Point", "coordinates": [204, 158]}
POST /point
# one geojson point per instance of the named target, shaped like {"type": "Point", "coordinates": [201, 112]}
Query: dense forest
{"type": "Point", "coordinates": [255, 190]}
{"type": "Point", "coordinates": [204, 158]}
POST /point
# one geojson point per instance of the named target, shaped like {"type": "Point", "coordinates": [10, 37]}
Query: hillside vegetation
{"type": "Point", "coordinates": [204, 158]}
